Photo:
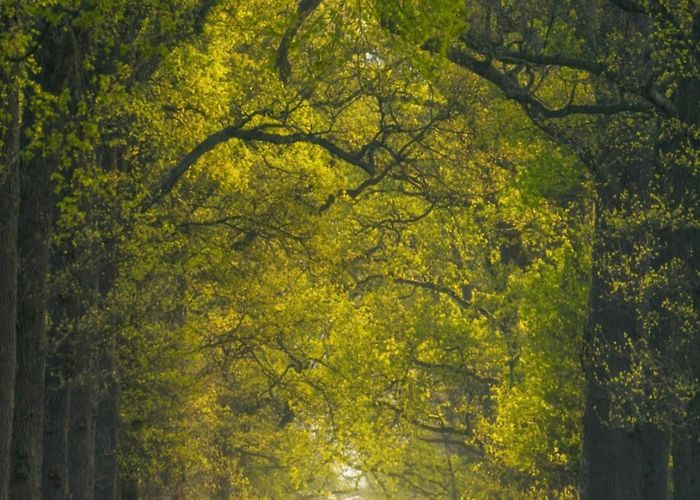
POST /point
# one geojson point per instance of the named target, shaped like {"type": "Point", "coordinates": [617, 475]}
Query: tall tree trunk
{"type": "Point", "coordinates": [656, 448]}
{"type": "Point", "coordinates": [57, 393]}
{"type": "Point", "coordinates": [33, 243]}
{"type": "Point", "coordinates": [686, 458]}
{"type": "Point", "coordinates": [9, 213]}
{"type": "Point", "coordinates": [129, 488]}
{"type": "Point", "coordinates": [81, 439]}
{"type": "Point", "coordinates": [686, 439]}
{"type": "Point", "coordinates": [107, 422]}
{"type": "Point", "coordinates": [618, 463]}
{"type": "Point", "coordinates": [607, 451]}
{"type": "Point", "coordinates": [107, 432]}
{"type": "Point", "coordinates": [61, 367]}
{"type": "Point", "coordinates": [34, 235]}
{"type": "Point", "coordinates": [55, 462]}
{"type": "Point", "coordinates": [89, 342]}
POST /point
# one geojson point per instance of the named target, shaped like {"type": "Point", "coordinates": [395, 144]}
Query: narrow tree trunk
{"type": "Point", "coordinates": [85, 394]}
{"type": "Point", "coordinates": [69, 424]}
{"type": "Point", "coordinates": [107, 433]}
{"type": "Point", "coordinates": [55, 463]}
{"type": "Point", "coordinates": [9, 213]}
{"type": "Point", "coordinates": [57, 396]}
{"type": "Point", "coordinates": [81, 440]}
{"type": "Point", "coordinates": [61, 366]}
{"type": "Point", "coordinates": [107, 422]}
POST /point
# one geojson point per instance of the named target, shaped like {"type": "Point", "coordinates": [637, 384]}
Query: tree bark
{"type": "Point", "coordinates": [130, 489]}
{"type": "Point", "coordinates": [107, 422]}
{"type": "Point", "coordinates": [57, 395]}
{"type": "Point", "coordinates": [81, 440]}
{"type": "Point", "coordinates": [688, 99]}
{"type": "Point", "coordinates": [55, 462]}
{"type": "Point", "coordinates": [656, 448]}
{"type": "Point", "coordinates": [33, 243]}
{"type": "Point", "coordinates": [619, 463]}
{"type": "Point", "coordinates": [107, 433]}
{"type": "Point", "coordinates": [61, 367]}
{"type": "Point", "coordinates": [9, 213]}
{"type": "Point", "coordinates": [606, 450]}
{"type": "Point", "coordinates": [686, 460]}
{"type": "Point", "coordinates": [92, 349]}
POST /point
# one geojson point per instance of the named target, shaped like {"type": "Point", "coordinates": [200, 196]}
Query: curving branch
{"type": "Point", "coordinates": [648, 92]}
{"type": "Point", "coordinates": [443, 290]}
{"type": "Point", "coordinates": [304, 9]}
{"type": "Point", "coordinates": [280, 134]}
{"type": "Point", "coordinates": [200, 14]}
{"type": "Point", "coordinates": [260, 133]}
{"type": "Point", "coordinates": [512, 89]}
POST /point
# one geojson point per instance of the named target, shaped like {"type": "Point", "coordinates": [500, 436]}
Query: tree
{"type": "Point", "coordinates": [626, 110]}
{"type": "Point", "coordinates": [9, 210]}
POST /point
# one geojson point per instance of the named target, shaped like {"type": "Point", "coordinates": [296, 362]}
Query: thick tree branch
{"type": "Point", "coordinates": [304, 9]}
{"type": "Point", "coordinates": [260, 133]}
{"type": "Point", "coordinates": [200, 14]}
{"type": "Point", "coordinates": [648, 92]}
{"type": "Point", "coordinates": [512, 89]}
{"type": "Point", "coordinates": [519, 57]}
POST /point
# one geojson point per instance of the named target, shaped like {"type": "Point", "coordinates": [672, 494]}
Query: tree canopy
{"type": "Point", "coordinates": [372, 249]}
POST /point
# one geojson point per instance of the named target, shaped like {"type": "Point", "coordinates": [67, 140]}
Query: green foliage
{"type": "Point", "coordinates": [404, 320]}
{"type": "Point", "coordinates": [272, 343]}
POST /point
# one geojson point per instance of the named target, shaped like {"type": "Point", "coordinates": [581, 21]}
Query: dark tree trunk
{"type": "Point", "coordinates": [107, 433]}
{"type": "Point", "coordinates": [656, 447]}
{"type": "Point", "coordinates": [55, 463]}
{"type": "Point", "coordinates": [61, 367]}
{"type": "Point", "coordinates": [81, 440]}
{"type": "Point", "coordinates": [34, 236]}
{"type": "Point", "coordinates": [686, 435]}
{"type": "Point", "coordinates": [57, 393]}
{"type": "Point", "coordinates": [608, 453]}
{"type": "Point", "coordinates": [69, 416]}
{"type": "Point", "coordinates": [619, 463]}
{"type": "Point", "coordinates": [681, 186]}
{"type": "Point", "coordinates": [93, 356]}
{"type": "Point", "coordinates": [686, 441]}
{"type": "Point", "coordinates": [686, 459]}
{"type": "Point", "coordinates": [599, 445]}
{"type": "Point", "coordinates": [682, 466]}
{"type": "Point", "coordinates": [130, 489]}
{"type": "Point", "coordinates": [107, 422]}
{"type": "Point", "coordinates": [33, 243]}
{"type": "Point", "coordinates": [9, 213]}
